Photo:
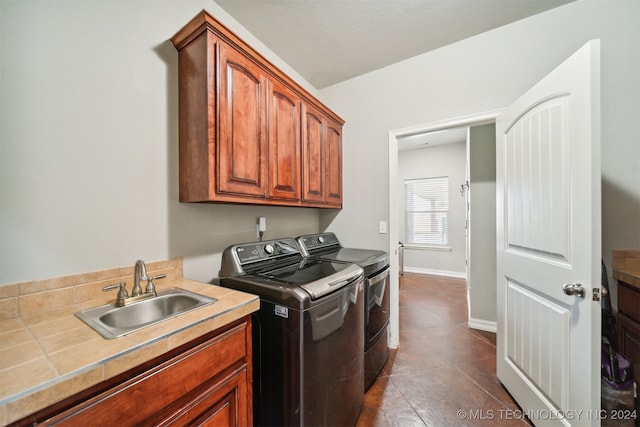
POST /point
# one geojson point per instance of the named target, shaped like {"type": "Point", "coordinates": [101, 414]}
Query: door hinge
{"type": "Point", "coordinates": [596, 294]}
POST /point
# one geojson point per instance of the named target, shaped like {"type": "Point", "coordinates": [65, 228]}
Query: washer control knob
{"type": "Point", "coordinates": [269, 249]}
{"type": "Point", "coordinates": [320, 239]}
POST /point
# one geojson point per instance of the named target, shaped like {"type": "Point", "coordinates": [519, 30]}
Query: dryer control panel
{"type": "Point", "coordinates": [259, 251]}
{"type": "Point", "coordinates": [314, 242]}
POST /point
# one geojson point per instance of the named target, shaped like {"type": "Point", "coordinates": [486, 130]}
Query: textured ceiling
{"type": "Point", "coordinates": [329, 41]}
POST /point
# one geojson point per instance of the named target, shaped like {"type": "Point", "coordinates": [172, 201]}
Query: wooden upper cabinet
{"type": "Point", "coordinates": [242, 150]}
{"type": "Point", "coordinates": [248, 132]}
{"type": "Point", "coordinates": [333, 164]}
{"type": "Point", "coordinates": [321, 159]}
{"type": "Point", "coordinates": [284, 143]}
{"type": "Point", "coordinates": [313, 150]}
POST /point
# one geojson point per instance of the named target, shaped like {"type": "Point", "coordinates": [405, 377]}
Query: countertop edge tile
{"type": "Point", "coordinates": [47, 395]}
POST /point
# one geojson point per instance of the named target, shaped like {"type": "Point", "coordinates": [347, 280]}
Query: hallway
{"type": "Point", "coordinates": [443, 373]}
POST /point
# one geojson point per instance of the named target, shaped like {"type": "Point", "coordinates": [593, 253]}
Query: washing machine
{"type": "Point", "coordinates": [375, 263]}
{"type": "Point", "coordinates": [308, 363]}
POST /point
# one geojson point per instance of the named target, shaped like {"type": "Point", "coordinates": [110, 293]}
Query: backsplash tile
{"type": "Point", "coordinates": [8, 308]}
{"type": "Point", "coordinates": [30, 298]}
{"type": "Point", "coordinates": [93, 291]}
{"type": "Point", "coordinates": [45, 301]}
{"type": "Point", "coordinates": [47, 284]}
{"type": "Point", "coordinates": [8, 291]}
{"type": "Point", "coordinates": [626, 260]}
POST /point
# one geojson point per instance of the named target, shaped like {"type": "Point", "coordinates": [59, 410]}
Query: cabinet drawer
{"type": "Point", "coordinates": [629, 301]}
{"type": "Point", "coordinates": [139, 398]}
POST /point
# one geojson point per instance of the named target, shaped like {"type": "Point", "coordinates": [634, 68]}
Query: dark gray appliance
{"type": "Point", "coordinates": [326, 246]}
{"type": "Point", "coordinates": [307, 336]}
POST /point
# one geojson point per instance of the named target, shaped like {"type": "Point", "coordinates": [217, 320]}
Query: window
{"type": "Point", "coordinates": [426, 211]}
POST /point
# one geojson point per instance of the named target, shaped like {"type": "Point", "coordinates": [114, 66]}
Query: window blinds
{"type": "Point", "coordinates": [426, 211]}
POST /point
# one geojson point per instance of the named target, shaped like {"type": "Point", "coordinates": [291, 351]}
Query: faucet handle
{"type": "Point", "coordinates": [122, 292]}
{"type": "Point", "coordinates": [151, 289]}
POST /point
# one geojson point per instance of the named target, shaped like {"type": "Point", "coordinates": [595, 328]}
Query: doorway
{"type": "Point", "coordinates": [394, 197]}
{"type": "Point", "coordinates": [432, 171]}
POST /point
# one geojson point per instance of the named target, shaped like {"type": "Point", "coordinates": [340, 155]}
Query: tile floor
{"type": "Point", "coordinates": [443, 372]}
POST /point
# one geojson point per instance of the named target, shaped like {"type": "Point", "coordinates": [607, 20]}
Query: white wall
{"type": "Point", "coordinates": [482, 258]}
{"type": "Point", "coordinates": [441, 160]}
{"type": "Point", "coordinates": [89, 140]}
{"type": "Point", "coordinates": [484, 73]}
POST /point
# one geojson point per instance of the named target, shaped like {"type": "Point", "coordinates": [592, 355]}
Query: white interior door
{"type": "Point", "coordinates": [548, 235]}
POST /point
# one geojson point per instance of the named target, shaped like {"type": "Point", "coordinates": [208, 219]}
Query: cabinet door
{"type": "Point", "coordinates": [313, 146]}
{"type": "Point", "coordinates": [629, 340]}
{"type": "Point", "coordinates": [222, 405]}
{"type": "Point", "coordinates": [241, 151]}
{"type": "Point", "coordinates": [333, 164]}
{"type": "Point", "coordinates": [283, 143]}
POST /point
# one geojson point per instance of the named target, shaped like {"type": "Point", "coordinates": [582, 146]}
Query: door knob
{"type": "Point", "coordinates": [573, 289]}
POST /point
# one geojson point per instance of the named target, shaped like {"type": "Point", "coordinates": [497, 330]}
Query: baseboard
{"type": "Point", "coordinates": [443, 273]}
{"type": "Point", "coordinates": [483, 325]}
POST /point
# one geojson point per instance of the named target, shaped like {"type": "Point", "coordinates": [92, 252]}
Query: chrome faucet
{"type": "Point", "coordinates": [122, 293]}
{"type": "Point", "coordinates": [139, 273]}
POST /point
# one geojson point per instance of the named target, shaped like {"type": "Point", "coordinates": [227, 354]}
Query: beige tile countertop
{"type": "Point", "coordinates": [48, 354]}
{"type": "Point", "coordinates": [626, 266]}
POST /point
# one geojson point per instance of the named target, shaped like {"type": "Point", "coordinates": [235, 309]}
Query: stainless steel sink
{"type": "Point", "coordinates": [112, 322]}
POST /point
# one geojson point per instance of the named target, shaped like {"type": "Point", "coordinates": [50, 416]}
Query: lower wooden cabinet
{"type": "Point", "coordinates": [629, 342]}
{"type": "Point", "coordinates": [207, 382]}
{"type": "Point", "coordinates": [629, 324]}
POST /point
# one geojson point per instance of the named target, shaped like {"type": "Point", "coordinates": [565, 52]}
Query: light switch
{"type": "Point", "coordinates": [383, 227]}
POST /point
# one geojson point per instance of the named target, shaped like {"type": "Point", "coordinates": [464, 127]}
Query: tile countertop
{"type": "Point", "coordinates": [626, 267]}
{"type": "Point", "coordinates": [48, 355]}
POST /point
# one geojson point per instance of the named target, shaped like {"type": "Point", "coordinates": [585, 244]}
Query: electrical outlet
{"type": "Point", "coordinates": [261, 226]}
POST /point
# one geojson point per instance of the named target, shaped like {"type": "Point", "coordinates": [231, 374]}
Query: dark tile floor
{"type": "Point", "coordinates": [443, 372]}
